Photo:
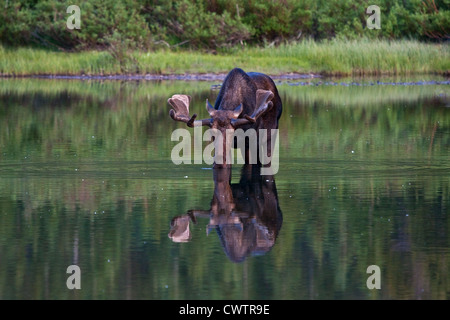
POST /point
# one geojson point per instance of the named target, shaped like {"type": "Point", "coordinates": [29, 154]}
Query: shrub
{"type": "Point", "coordinates": [216, 24]}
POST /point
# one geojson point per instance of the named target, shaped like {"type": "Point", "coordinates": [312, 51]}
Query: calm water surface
{"type": "Point", "coordinates": [86, 179]}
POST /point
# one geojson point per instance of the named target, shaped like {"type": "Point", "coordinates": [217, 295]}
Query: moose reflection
{"type": "Point", "coordinates": [245, 215]}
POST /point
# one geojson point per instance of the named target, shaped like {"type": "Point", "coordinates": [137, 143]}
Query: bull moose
{"type": "Point", "coordinates": [246, 101]}
{"type": "Point", "coordinates": [245, 215]}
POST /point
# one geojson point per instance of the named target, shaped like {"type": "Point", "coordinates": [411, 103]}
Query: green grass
{"type": "Point", "coordinates": [361, 57]}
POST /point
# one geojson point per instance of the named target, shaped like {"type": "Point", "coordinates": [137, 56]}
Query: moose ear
{"type": "Point", "coordinates": [237, 111]}
{"type": "Point", "coordinates": [211, 110]}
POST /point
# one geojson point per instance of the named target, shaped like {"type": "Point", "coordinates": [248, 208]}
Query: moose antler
{"type": "Point", "coordinates": [263, 104]}
{"type": "Point", "coordinates": [180, 111]}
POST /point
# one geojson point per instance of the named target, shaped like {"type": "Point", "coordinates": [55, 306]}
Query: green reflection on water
{"type": "Point", "coordinates": [86, 179]}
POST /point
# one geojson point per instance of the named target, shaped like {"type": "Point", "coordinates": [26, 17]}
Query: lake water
{"type": "Point", "coordinates": [86, 179]}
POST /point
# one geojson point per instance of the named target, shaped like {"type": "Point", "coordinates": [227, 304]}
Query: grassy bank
{"type": "Point", "coordinates": [362, 57]}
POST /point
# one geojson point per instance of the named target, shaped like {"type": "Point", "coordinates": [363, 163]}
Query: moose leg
{"type": "Point", "coordinates": [266, 146]}
{"type": "Point", "coordinates": [245, 151]}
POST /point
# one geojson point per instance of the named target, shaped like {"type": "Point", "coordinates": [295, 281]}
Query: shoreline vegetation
{"type": "Point", "coordinates": [192, 37]}
{"type": "Point", "coordinates": [307, 58]}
